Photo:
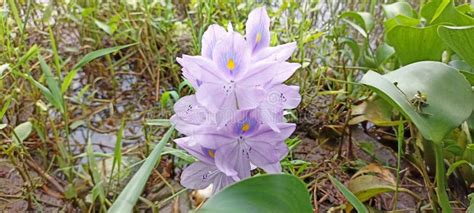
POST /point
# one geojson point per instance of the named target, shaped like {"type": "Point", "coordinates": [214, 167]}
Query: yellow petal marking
{"type": "Point", "coordinates": [230, 64]}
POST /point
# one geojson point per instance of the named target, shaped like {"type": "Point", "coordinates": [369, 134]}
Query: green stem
{"type": "Point", "coordinates": [443, 198]}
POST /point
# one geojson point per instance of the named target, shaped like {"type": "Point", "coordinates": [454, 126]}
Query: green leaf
{"type": "Point", "coordinates": [362, 21]}
{"type": "Point", "coordinates": [263, 193]}
{"type": "Point", "coordinates": [455, 165]}
{"type": "Point", "coordinates": [383, 53]}
{"type": "Point", "coordinates": [53, 85]}
{"type": "Point", "coordinates": [358, 205]}
{"type": "Point", "coordinates": [99, 53]}
{"type": "Point", "coordinates": [471, 204]}
{"type": "Point", "coordinates": [460, 40]}
{"type": "Point", "coordinates": [158, 122]}
{"type": "Point", "coordinates": [398, 8]}
{"type": "Point", "coordinates": [444, 11]}
{"type": "Point", "coordinates": [179, 153]}
{"type": "Point", "coordinates": [88, 58]}
{"type": "Point", "coordinates": [400, 20]}
{"type": "Point", "coordinates": [104, 26]}
{"type": "Point", "coordinates": [464, 68]}
{"type": "Point", "coordinates": [414, 44]}
{"type": "Point", "coordinates": [129, 196]}
{"type": "Point", "coordinates": [68, 80]}
{"type": "Point", "coordinates": [21, 132]}
{"type": "Point", "coordinates": [441, 84]}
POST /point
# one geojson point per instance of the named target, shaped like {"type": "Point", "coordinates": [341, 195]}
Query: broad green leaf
{"type": "Point", "coordinates": [398, 8]}
{"type": "Point", "coordinates": [129, 195]}
{"type": "Point", "coordinates": [264, 193]}
{"type": "Point", "coordinates": [21, 132]}
{"type": "Point", "coordinates": [383, 53]}
{"type": "Point", "coordinates": [460, 40]}
{"type": "Point", "coordinates": [400, 20]}
{"type": "Point", "coordinates": [464, 68]}
{"type": "Point", "coordinates": [448, 94]}
{"type": "Point", "coordinates": [361, 21]}
{"type": "Point", "coordinates": [356, 203]}
{"type": "Point", "coordinates": [444, 11]}
{"type": "Point", "coordinates": [414, 44]}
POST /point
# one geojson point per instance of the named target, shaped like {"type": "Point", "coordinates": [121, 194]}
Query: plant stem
{"type": "Point", "coordinates": [443, 198]}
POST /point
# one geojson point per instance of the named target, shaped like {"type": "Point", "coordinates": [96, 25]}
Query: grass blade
{"type": "Point", "coordinates": [358, 205]}
{"type": "Point", "coordinates": [53, 84]}
{"type": "Point", "coordinates": [129, 196]}
{"type": "Point", "coordinates": [99, 53]}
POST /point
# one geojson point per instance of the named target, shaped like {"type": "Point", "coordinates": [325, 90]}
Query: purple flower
{"type": "Point", "coordinates": [245, 140]}
{"type": "Point", "coordinates": [203, 173]}
{"type": "Point", "coordinates": [234, 123]}
{"type": "Point", "coordinates": [232, 70]}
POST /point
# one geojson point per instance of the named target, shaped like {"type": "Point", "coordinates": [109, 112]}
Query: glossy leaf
{"type": "Point", "coordinates": [460, 40]}
{"type": "Point", "coordinates": [441, 84]}
{"type": "Point", "coordinates": [444, 11]}
{"type": "Point", "coordinates": [398, 8]}
{"type": "Point", "coordinates": [361, 21]}
{"type": "Point", "coordinates": [414, 44]}
{"type": "Point", "coordinates": [264, 193]}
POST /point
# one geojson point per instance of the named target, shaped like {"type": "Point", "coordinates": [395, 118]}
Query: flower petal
{"type": "Point", "coordinates": [188, 109]}
{"type": "Point", "coordinates": [220, 182]}
{"type": "Point", "coordinates": [203, 69]}
{"type": "Point", "coordinates": [282, 96]}
{"type": "Point", "coordinates": [265, 133]}
{"type": "Point", "coordinates": [231, 55]}
{"type": "Point", "coordinates": [285, 71]}
{"type": "Point", "coordinates": [259, 73]}
{"type": "Point", "coordinates": [216, 96]}
{"type": "Point", "coordinates": [233, 160]}
{"type": "Point", "coordinates": [210, 38]}
{"type": "Point", "coordinates": [258, 29]}
{"type": "Point", "coordinates": [262, 153]}
{"type": "Point", "coordinates": [249, 97]}
{"type": "Point", "coordinates": [198, 175]}
{"type": "Point", "coordinates": [278, 53]}
{"type": "Point", "coordinates": [194, 149]}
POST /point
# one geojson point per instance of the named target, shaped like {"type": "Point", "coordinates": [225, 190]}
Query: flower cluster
{"type": "Point", "coordinates": [234, 123]}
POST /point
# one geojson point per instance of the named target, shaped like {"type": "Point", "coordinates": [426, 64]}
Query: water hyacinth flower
{"type": "Point", "coordinates": [234, 123]}
{"type": "Point", "coordinates": [245, 140]}
{"type": "Point", "coordinates": [232, 70]}
{"type": "Point", "coordinates": [203, 173]}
